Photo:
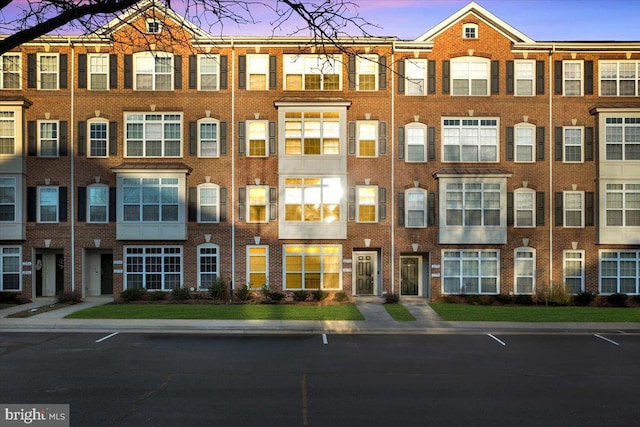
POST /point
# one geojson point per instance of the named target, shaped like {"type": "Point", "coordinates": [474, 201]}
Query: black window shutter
{"type": "Point", "coordinates": [351, 208]}
{"type": "Point", "coordinates": [223, 138]}
{"type": "Point", "coordinates": [273, 70]}
{"type": "Point", "coordinates": [112, 204]}
{"type": "Point", "coordinates": [32, 145]}
{"type": "Point", "coordinates": [223, 71]}
{"type": "Point", "coordinates": [540, 77]}
{"type": "Point", "coordinates": [193, 138]}
{"type": "Point", "coordinates": [32, 204]}
{"type": "Point", "coordinates": [242, 203]}
{"type": "Point", "coordinates": [382, 138]}
{"type": "Point", "coordinates": [242, 71]}
{"type": "Point", "coordinates": [510, 143]}
{"type": "Point", "coordinates": [113, 71]}
{"type": "Point", "coordinates": [242, 138]}
{"type": "Point", "coordinates": [223, 204]}
{"type": "Point", "coordinates": [352, 138]}
{"type": "Point", "coordinates": [351, 68]}
{"type": "Point", "coordinates": [63, 71]}
{"type": "Point", "coordinates": [62, 204]}
{"type": "Point", "coordinates": [113, 138]}
{"type": "Point", "coordinates": [431, 208]}
{"type": "Point", "coordinates": [193, 204]}
{"type": "Point", "coordinates": [382, 204]}
{"type": "Point", "coordinates": [272, 138]}
{"type": "Point", "coordinates": [588, 143]}
{"type": "Point", "coordinates": [431, 143]}
{"type": "Point", "coordinates": [31, 70]}
{"type": "Point", "coordinates": [128, 71]}
{"type": "Point", "coordinates": [558, 132]}
{"type": "Point", "coordinates": [177, 72]}
{"type": "Point", "coordinates": [509, 208]}
{"type": "Point", "coordinates": [62, 138]}
{"type": "Point", "coordinates": [559, 209]}
{"type": "Point", "coordinates": [401, 76]}
{"type": "Point", "coordinates": [588, 77]}
{"type": "Point", "coordinates": [431, 76]}
{"type": "Point", "coordinates": [401, 209]}
{"type": "Point", "coordinates": [382, 72]}
{"type": "Point", "coordinates": [400, 142]}
{"type": "Point", "coordinates": [589, 201]}
{"type": "Point", "coordinates": [82, 138]}
{"type": "Point", "coordinates": [510, 77]}
{"type": "Point", "coordinates": [540, 208]}
{"type": "Point", "coordinates": [540, 142]}
{"type": "Point", "coordinates": [273, 203]}
{"type": "Point", "coordinates": [495, 77]}
{"type": "Point", "coordinates": [446, 75]}
{"type": "Point", "coordinates": [193, 72]}
{"type": "Point", "coordinates": [557, 78]}
{"type": "Point", "coordinates": [82, 204]}
{"type": "Point", "coordinates": [82, 71]}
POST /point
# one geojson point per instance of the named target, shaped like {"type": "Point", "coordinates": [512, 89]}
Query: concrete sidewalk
{"type": "Point", "coordinates": [377, 321]}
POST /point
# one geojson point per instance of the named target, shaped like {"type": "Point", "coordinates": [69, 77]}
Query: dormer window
{"type": "Point", "coordinates": [470, 31]}
{"type": "Point", "coordinates": [153, 26]}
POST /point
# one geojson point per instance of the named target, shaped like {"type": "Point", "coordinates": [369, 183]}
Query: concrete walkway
{"type": "Point", "coordinates": [377, 321]}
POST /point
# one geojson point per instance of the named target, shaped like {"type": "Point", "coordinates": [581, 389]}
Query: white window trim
{"type": "Point", "coordinates": [200, 255]}
{"type": "Point", "coordinates": [366, 58]}
{"type": "Point", "coordinates": [516, 209]}
{"type": "Point", "coordinates": [469, 60]}
{"type": "Point", "coordinates": [248, 203]}
{"type": "Point", "coordinates": [617, 78]}
{"type": "Point", "coordinates": [565, 79]}
{"type": "Point", "coordinates": [515, 270]}
{"type": "Point", "coordinates": [216, 58]}
{"type": "Point", "coordinates": [564, 144]}
{"type": "Point", "coordinates": [19, 72]}
{"type": "Point", "coordinates": [461, 257]}
{"type": "Point", "coordinates": [425, 131]}
{"type": "Point", "coordinates": [140, 204]}
{"type": "Point", "coordinates": [206, 121]}
{"type": "Point", "coordinates": [57, 72]}
{"type": "Point", "coordinates": [618, 277]}
{"type": "Point", "coordinates": [148, 28]}
{"type": "Point", "coordinates": [145, 140]}
{"type": "Point", "coordinates": [375, 124]}
{"type": "Point", "coordinates": [106, 205]}
{"type": "Point", "coordinates": [473, 27]}
{"type": "Point", "coordinates": [564, 209]}
{"type": "Point", "coordinates": [419, 64]}
{"type": "Point", "coordinates": [144, 255]}
{"type": "Point", "coordinates": [459, 144]}
{"type": "Point", "coordinates": [90, 73]}
{"type": "Point", "coordinates": [304, 255]}
{"type": "Point", "coordinates": [2, 269]}
{"type": "Point", "coordinates": [623, 117]}
{"type": "Point", "coordinates": [516, 145]}
{"type": "Point", "coordinates": [217, 188]}
{"type": "Point", "coordinates": [340, 120]}
{"type": "Point", "coordinates": [57, 205]}
{"type": "Point", "coordinates": [13, 119]}
{"type": "Point", "coordinates": [533, 76]}
{"type": "Point", "coordinates": [248, 139]}
{"type": "Point", "coordinates": [326, 60]}
{"type": "Point", "coordinates": [57, 138]}
{"type": "Point", "coordinates": [564, 266]}
{"type": "Point", "coordinates": [375, 203]}
{"type": "Point", "coordinates": [265, 57]}
{"type": "Point", "coordinates": [89, 140]}
{"type": "Point", "coordinates": [154, 73]}
{"type": "Point", "coordinates": [424, 210]}
{"type": "Point", "coordinates": [248, 270]}
{"type": "Point", "coordinates": [14, 185]}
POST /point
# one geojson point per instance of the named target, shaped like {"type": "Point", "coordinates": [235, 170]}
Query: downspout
{"type": "Point", "coordinates": [233, 166]}
{"type": "Point", "coordinates": [393, 174]}
{"type": "Point", "coordinates": [70, 151]}
{"type": "Point", "coordinates": [551, 198]}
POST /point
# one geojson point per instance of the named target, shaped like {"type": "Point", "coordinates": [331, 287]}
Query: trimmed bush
{"type": "Point", "coordinates": [555, 296]}
{"type": "Point", "coordinates": [69, 297]}
{"type": "Point", "coordinates": [341, 297]}
{"type": "Point", "coordinates": [478, 299]}
{"type": "Point", "coordinates": [504, 299]}
{"type": "Point", "coordinates": [219, 290]}
{"type": "Point", "coordinates": [523, 299]}
{"type": "Point", "coordinates": [390, 298]}
{"type": "Point", "coordinates": [300, 295]}
{"type": "Point", "coordinates": [13, 298]}
{"type": "Point", "coordinates": [583, 298]}
{"type": "Point", "coordinates": [157, 295]}
{"type": "Point", "coordinates": [243, 293]}
{"type": "Point", "coordinates": [129, 295]}
{"type": "Point", "coordinates": [181, 294]}
{"type": "Point", "coordinates": [319, 295]}
{"type": "Point", "coordinates": [276, 296]}
{"type": "Point", "coordinates": [617, 300]}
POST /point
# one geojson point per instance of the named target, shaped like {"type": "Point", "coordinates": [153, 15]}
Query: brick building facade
{"type": "Point", "coordinates": [472, 160]}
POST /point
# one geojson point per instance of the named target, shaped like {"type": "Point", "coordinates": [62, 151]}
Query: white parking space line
{"type": "Point", "coordinates": [607, 339]}
{"type": "Point", "coordinates": [497, 339]}
{"type": "Point", "coordinates": [107, 337]}
{"type": "Point", "coordinates": [325, 341]}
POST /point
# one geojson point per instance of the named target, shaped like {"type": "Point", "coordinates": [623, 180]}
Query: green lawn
{"type": "Point", "coordinates": [462, 312]}
{"type": "Point", "coordinates": [235, 312]}
{"type": "Point", "coordinates": [399, 312]}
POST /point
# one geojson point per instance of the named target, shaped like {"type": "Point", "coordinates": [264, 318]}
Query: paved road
{"type": "Point", "coordinates": [156, 379]}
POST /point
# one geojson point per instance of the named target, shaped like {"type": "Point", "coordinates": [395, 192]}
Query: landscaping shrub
{"type": "Point", "coordinates": [635, 300]}
{"type": "Point", "coordinates": [341, 297]}
{"type": "Point", "coordinates": [478, 299]}
{"type": "Point", "coordinates": [181, 294]}
{"type": "Point", "coordinates": [583, 298]}
{"type": "Point", "coordinates": [523, 299]}
{"type": "Point", "coordinates": [504, 299]}
{"type": "Point", "coordinates": [319, 295]}
{"type": "Point", "coordinates": [391, 298]}
{"type": "Point", "coordinates": [219, 290]}
{"type": "Point", "coordinates": [243, 293]}
{"type": "Point", "coordinates": [68, 297]}
{"type": "Point", "coordinates": [555, 296]}
{"type": "Point", "coordinates": [617, 300]}
{"type": "Point", "coordinates": [300, 296]}
{"type": "Point", "coordinates": [157, 295]}
{"type": "Point", "coordinates": [129, 295]}
{"type": "Point", "coordinates": [276, 296]}
{"type": "Point", "coordinates": [13, 298]}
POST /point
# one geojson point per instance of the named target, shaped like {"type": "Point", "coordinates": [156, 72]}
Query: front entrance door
{"type": "Point", "coordinates": [409, 275]}
{"type": "Point", "coordinates": [366, 272]}
{"type": "Point", "coordinates": [59, 273]}
{"type": "Point", "coordinates": [38, 268]}
{"type": "Point", "coordinates": [106, 274]}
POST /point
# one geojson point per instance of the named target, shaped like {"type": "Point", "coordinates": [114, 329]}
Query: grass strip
{"type": "Point", "coordinates": [233, 312]}
{"type": "Point", "coordinates": [399, 312]}
{"type": "Point", "coordinates": [462, 312]}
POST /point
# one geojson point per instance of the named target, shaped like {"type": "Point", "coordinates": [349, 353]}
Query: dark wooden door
{"type": "Point", "coordinates": [409, 276]}
{"type": "Point", "coordinates": [38, 272]}
{"type": "Point", "coordinates": [106, 274]}
{"type": "Point", "coordinates": [59, 273]}
{"type": "Point", "coordinates": [364, 274]}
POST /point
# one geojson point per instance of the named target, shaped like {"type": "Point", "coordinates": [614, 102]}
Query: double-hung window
{"type": "Point", "coordinates": [470, 140]}
{"type": "Point", "coordinates": [153, 134]}
{"type": "Point", "coordinates": [524, 207]}
{"type": "Point", "coordinates": [257, 266]}
{"type": "Point", "coordinates": [257, 137]}
{"type": "Point", "coordinates": [416, 76]}
{"type": "Point", "coordinates": [98, 203]}
{"type": "Point", "coordinates": [7, 199]}
{"type": "Point", "coordinates": [47, 204]}
{"type": "Point", "coordinates": [98, 137]}
{"type": "Point", "coordinates": [98, 71]}
{"type": "Point", "coordinates": [622, 204]}
{"type": "Point", "coordinates": [415, 208]}
{"type": "Point", "coordinates": [573, 209]}
{"type": "Point", "coordinates": [367, 202]}
{"type": "Point", "coordinates": [48, 64]}
{"type": "Point", "coordinates": [208, 72]}
{"type": "Point", "coordinates": [48, 139]}
{"type": "Point", "coordinates": [367, 138]}
{"type": "Point", "coordinates": [257, 203]}
{"type": "Point", "coordinates": [416, 142]}
{"type": "Point", "coordinates": [525, 81]}
{"type": "Point", "coordinates": [208, 131]}
{"type": "Point", "coordinates": [312, 199]}
{"type": "Point", "coordinates": [312, 72]}
{"type": "Point", "coordinates": [7, 133]}
{"type": "Point", "coordinates": [470, 76]}
{"type": "Point", "coordinates": [10, 266]}
{"type": "Point", "coordinates": [208, 203]}
{"type": "Point", "coordinates": [367, 71]}
{"type": "Point", "coordinates": [573, 271]}
{"type": "Point", "coordinates": [312, 133]}
{"type": "Point", "coordinates": [154, 268]}
{"type": "Point", "coordinates": [619, 78]}
{"type": "Point", "coordinates": [11, 75]}
{"type": "Point", "coordinates": [471, 272]}
{"type": "Point", "coordinates": [620, 272]}
{"type": "Point", "coordinates": [150, 199]}
{"type": "Point", "coordinates": [472, 204]}
{"type": "Point", "coordinates": [524, 270]}
{"type": "Point", "coordinates": [153, 71]}
{"type": "Point", "coordinates": [572, 78]}
{"type": "Point", "coordinates": [257, 71]}
{"type": "Point", "coordinates": [208, 265]}
{"type": "Point", "coordinates": [573, 142]}
{"type": "Point", "coordinates": [622, 138]}
{"type": "Point", "coordinates": [309, 267]}
{"type": "Point", "coordinates": [524, 143]}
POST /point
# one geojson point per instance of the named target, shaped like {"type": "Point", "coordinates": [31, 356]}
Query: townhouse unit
{"type": "Point", "coordinates": [471, 160]}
